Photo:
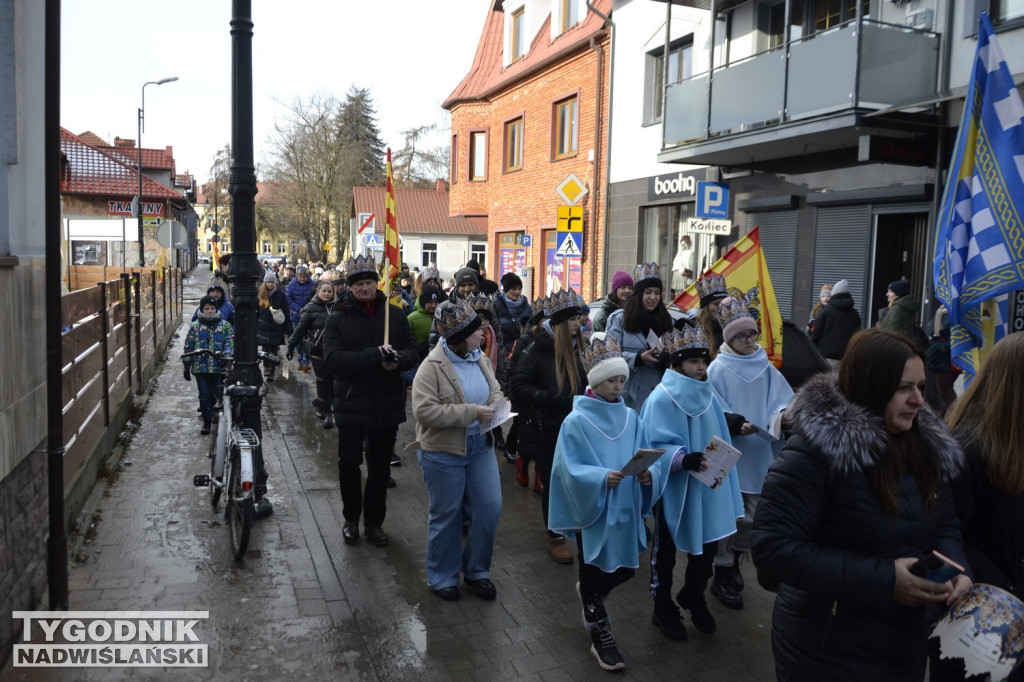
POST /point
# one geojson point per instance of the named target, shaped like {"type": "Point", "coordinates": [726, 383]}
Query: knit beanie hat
{"type": "Point", "coordinates": [511, 280]}
{"type": "Point", "coordinates": [207, 300]}
{"type": "Point", "coordinates": [429, 293]}
{"type": "Point", "coordinates": [825, 291]}
{"type": "Point", "coordinates": [841, 287]}
{"type": "Point", "coordinates": [900, 287]}
{"type": "Point", "coordinates": [467, 274]}
{"type": "Point", "coordinates": [736, 318]}
{"type": "Point", "coordinates": [603, 360]}
{"type": "Point", "coordinates": [271, 276]}
{"type": "Point", "coordinates": [621, 278]}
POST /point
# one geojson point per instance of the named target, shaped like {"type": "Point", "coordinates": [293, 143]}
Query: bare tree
{"type": "Point", "coordinates": [418, 164]}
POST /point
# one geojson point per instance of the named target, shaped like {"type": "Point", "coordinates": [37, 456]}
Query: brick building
{"type": "Point", "coordinates": [531, 113]}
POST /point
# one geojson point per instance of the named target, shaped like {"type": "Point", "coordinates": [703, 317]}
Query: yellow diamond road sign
{"type": "Point", "coordinates": [571, 189]}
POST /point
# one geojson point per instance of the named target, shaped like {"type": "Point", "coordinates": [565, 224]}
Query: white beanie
{"type": "Point", "coordinates": [606, 369]}
{"type": "Point", "coordinates": [841, 287]}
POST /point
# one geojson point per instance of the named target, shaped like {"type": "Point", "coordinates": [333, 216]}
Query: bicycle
{"type": "Point", "coordinates": [232, 452]}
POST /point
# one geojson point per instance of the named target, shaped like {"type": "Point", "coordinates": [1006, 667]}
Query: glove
{"type": "Point", "coordinates": [187, 373]}
{"type": "Point", "coordinates": [290, 354]}
{"type": "Point", "coordinates": [690, 461]}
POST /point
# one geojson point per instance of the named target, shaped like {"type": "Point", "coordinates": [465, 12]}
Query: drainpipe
{"type": "Point", "coordinates": [597, 155]}
{"type": "Point", "coordinates": [57, 542]}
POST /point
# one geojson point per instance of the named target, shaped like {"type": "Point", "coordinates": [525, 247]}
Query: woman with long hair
{"type": "Point", "coordinates": [644, 312]}
{"type": "Point", "coordinates": [989, 495]}
{"type": "Point", "coordinates": [548, 375]}
{"type": "Point", "coordinates": [309, 333]}
{"type": "Point", "coordinates": [711, 289]}
{"type": "Point", "coordinates": [858, 495]}
{"type": "Point", "coordinates": [273, 323]}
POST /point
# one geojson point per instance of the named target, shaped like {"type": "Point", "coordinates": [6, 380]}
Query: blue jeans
{"type": "Point", "coordinates": [209, 391]}
{"type": "Point", "coordinates": [461, 487]}
{"type": "Point", "coordinates": [303, 358]}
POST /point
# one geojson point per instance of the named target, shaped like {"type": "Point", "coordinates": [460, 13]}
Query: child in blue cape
{"type": "Point", "coordinates": [681, 415]}
{"type": "Point", "coordinates": [591, 497]}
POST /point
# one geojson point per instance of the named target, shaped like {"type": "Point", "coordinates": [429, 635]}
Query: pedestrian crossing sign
{"type": "Point", "coordinates": [570, 245]}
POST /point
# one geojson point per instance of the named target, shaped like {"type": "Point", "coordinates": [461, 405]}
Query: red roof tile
{"type": "Point", "coordinates": [152, 159]}
{"type": "Point", "coordinates": [419, 211]}
{"type": "Point", "coordinates": [92, 139]}
{"type": "Point", "coordinates": [91, 171]}
{"type": "Point", "coordinates": [487, 74]}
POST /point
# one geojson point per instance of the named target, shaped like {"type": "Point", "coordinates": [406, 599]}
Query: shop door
{"type": "Point", "coordinates": [899, 254]}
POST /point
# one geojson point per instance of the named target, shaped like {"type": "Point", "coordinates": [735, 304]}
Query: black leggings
{"type": "Point", "coordinates": [699, 567]}
{"type": "Point", "coordinates": [596, 584]}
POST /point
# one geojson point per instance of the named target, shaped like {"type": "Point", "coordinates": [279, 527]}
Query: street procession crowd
{"type": "Point", "coordinates": [625, 412]}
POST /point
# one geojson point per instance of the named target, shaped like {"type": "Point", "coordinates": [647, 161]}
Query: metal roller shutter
{"type": "Point", "coordinates": [778, 242]}
{"type": "Point", "coordinates": [842, 239]}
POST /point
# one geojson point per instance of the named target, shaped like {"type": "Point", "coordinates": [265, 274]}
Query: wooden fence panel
{"type": "Point", "coordinates": [80, 338]}
{"type": "Point", "coordinates": [81, 372]}
{"type": "Point", "coordinates": [76, 413]}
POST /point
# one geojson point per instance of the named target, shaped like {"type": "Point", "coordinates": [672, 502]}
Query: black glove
{"type": "Point", "coordinates": [290, 354]}
{"type": "Point", "coordinates": [735, 422]}
{"type": "Point", "coordinates": [692, 461]}
{"type": "Point", "coordinates": [187, 373]}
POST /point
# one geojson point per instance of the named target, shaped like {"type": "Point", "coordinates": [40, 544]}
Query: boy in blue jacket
{"type": "Point", "coordinates": [212, 333]}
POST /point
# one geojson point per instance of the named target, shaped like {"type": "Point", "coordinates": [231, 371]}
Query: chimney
{"type": "Point", "coordinates": [442, 186]}
{"type": "Point", "coordinates": [123, 142]}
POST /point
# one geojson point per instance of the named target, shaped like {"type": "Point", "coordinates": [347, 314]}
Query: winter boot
{"type": "Point", "coordinates": [206, 428]}
{"type": "Point", "coordinates": [522, 472]}
{"type": "Point", "coordinates": [328, 421]}
{"type": "Point", "coordinates": [668, 621]}
{"type": "Point", "coordinates": [538, 485]}
{"type": "Point", "coordinates": [722, 587]}
{"type": "Point", "coordinates": [559, 550]}
{"type": "Point", "coordinates": [737, 577]}
{"type": "Point", "coordinates": [699, 612]}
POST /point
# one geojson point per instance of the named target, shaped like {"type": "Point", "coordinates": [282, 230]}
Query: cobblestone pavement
{"type": "Point", "coordinates": [302, 604]}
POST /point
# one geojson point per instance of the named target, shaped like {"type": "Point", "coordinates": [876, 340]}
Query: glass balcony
{"type": "Point", "coordinates": [853, 67]}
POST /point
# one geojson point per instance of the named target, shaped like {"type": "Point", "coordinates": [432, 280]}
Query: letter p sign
{"type": "Point", "coordinates": [712, 200]}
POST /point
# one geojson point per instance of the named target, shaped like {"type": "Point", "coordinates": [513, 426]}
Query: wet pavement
{"type": "Point", "coordinates": [301, 604]}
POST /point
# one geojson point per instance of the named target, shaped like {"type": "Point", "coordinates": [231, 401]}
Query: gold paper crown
{"type": "Point", "coordinates": [453, 316]}
{"type": "Point", "coordinates": [360, 264]}
{"type": "Point", "coordinates": [429, 274]}
{"type": "Point", "coordinates": [712, 284]}
{"type": "Point", "coordinates": [691, 338]}
{"type": "Point", "coordinates": [481, 303]}
{"type": "Point", "coordinates": [563, 299]}
{"type": "Point", "coordinates": [599, 351]}
{"type": "Point", "coordinates": [539, 305]}
{"type": "Point", "coordinates": [645, 271]}
{"type": "Point", "coordinates": [732, 309]}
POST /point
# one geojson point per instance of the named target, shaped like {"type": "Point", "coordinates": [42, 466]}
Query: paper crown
{"type": "Point", "coordinates": [646, 275]}
{"type": "Point", "coordinates": [481, 303]}
{"type": "Point", "coordinates": [360, 267]}
{"type": "Point", "coordinates": [456, 320]}
{"type": "Point", "coordinates": [562, 305]}
{"type": "Point", "coordinates": [732, 309]}
{"type": "Point", "coordinates": [599, 351]}
{"type": "Point", "coordinates": [711, 287]}
{"type": "Point", "coordinates": [430, 273]}
{"type": "Point", "coordinates": [690, 342]}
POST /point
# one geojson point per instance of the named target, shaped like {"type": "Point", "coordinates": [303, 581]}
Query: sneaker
{"type": "Point", "coordinates": [264, 508]}
{"type": "Point", "coordinates": [722, 588]}
{"type": "Point", "coordinates": [510, 457]}
{"type": "Point", "coordinates": [396, 461]}
{"type": "Point", "coordinates": [522, 472]}
{"type": "Point", "coordinates": [559, 550]}
{"type": "Point", "coordinates": [699, 613]}
{"type": "Point", "coordinates": [668, 621]}
{"type": "Point", "coordinates": [538, 485]}
{"type": "Point", "coordinates": [604, 649]}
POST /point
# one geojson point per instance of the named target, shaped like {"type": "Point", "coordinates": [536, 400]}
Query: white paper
{"type": "Point", "coordinates": [653, 341]}
{"type": "Point", "coordinates": [722, 458]}
{"type": "Point", "coordinates": [502, 413]}
{"type": "Point", "coordinates": [642, 460]}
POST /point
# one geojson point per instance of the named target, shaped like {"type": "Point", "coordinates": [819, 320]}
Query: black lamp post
{"type": "Point", "coordinates": [142, 116]}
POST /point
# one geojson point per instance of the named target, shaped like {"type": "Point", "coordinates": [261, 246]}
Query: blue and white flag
{"type": "Point", "coordinates": [979, 249]}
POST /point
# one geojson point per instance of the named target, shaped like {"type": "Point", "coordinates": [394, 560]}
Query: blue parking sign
{"type": "Point", "coordinates": [712, 200]}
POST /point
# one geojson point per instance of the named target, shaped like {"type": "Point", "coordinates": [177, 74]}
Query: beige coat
{"type": "Point", "coordinates": [439, 406]}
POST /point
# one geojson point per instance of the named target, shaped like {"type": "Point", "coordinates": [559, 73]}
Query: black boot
{"type": "Point", "coordinates": [737, 577]}
{"type": "Point", "coordinates": [722, 587]}
{"type": "Point", "coordinates": [206, 427]}
{"type": "Point", "coordinates": [667, 619]}
{"type": "Point", "coordinates": [328, 421]}
{"type": "Point", "coordinates": [695, 603]}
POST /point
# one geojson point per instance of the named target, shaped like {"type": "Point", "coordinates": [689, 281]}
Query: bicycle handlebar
{"type": "Point", "coordinates": [267, 357]}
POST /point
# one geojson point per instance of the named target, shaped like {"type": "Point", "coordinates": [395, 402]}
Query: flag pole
{"type": "Point", "coordinates": [387, 298]}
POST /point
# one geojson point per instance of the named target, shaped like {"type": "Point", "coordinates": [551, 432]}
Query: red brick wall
{"type": "Point", "coordinates": [526, 199]}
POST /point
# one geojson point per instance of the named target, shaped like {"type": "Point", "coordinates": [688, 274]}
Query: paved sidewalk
{"type": "Point", "coordinates": [303, 604]}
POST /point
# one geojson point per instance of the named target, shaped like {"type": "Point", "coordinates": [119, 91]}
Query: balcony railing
{"type": "Point", "coordinates": [856, 66]}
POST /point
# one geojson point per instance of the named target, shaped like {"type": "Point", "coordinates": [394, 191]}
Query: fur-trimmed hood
{"type": "Point", "coordinates": [852, 439]}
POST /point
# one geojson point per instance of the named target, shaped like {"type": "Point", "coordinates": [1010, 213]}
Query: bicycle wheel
{"type": "Point", "coordinates": [215, 490]}
{"type": "Point", "coordinates": [241, 512]}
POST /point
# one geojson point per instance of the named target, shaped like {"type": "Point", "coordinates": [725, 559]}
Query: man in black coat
{"type": "Point", "coordinates": [369, 395]}
{"type": "Point", "coordinates": [836, 323]}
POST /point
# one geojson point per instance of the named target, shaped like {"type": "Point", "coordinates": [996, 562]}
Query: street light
{"type": "Point", "coordinates": [142, 116]}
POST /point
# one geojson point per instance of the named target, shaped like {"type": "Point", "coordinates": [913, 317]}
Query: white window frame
{"type": "Point", "coordinates": [428, 248]}
{"type": "Point", "coordinates": [282, 248]}
{"type": "Point", "coordinates": [478, 252]}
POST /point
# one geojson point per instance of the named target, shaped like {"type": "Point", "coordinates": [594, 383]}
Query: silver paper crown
{"type": "Point", "coordinates": [599, 351]}
{"type": "Point", "coordinates": [539, 305]}
{"type": "Point", "coordinates": [732, 309]}
{"type": "Point", "coordinates": [560, 300]}
{"type": "Point", "coordinates": [360, 264]}
{"type": "Point", "coordinates": [480, 302]}
{"type": "Point", "coordinates": [691, 337]}
{"type": "Point", "coordinates": [711, 284]}
{"type": "Point", "coordinates": [646, 271]}
{"type": "Point", "coordinates": [429, 274]}
{"type": "Point", "coordinates": [452, 316]}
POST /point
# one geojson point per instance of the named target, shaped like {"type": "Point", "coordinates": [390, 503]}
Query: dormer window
{"type": "Point", "coordinates": [568, 14]}
{"type": "Point", "coordinates": [517, 34]}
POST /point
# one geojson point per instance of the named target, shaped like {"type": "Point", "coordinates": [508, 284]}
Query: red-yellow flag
{"type": "Point", "coordinates": [388, 283]}
{"type": "Point", "coordinates": [746, 276]}
{"type": "Point", "coordinates": [216, 256]}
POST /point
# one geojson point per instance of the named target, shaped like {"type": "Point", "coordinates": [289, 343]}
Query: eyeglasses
{"type": "Point", "coordinates": [748, 337]}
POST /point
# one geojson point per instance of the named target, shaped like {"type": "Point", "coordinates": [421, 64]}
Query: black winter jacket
{"type": "Point", "coordinates": [312, 319]}
{"type": "Point", "coordinates": [820, 531]}
{"type": "Point", "coordinates": [609, 304]}
{"type": "Point", "coordinates": [534, 386]}
{"type": "Point", "coordinates": [268, 333]}
{"type": "Point", "coordinates": [834, 326]}
{"type": "Point", "coordinates": [510, 317]}
{"type": "Point", "coordinates": [365, 394]}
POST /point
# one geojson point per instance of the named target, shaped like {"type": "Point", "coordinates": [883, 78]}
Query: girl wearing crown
{"type": "Point", "coordinates": [516, 450]}
{"type": "Point", "coordinates": [711, 289]}
{"type": "Point", "coordinates": [452, 396]}
{"type": "Point", "coordinates": [643, 313]}
{"type": "Point", "coordinates": [591, 497]}
{"type": "Point", "coordinates": [681, 416]}
{"type": "Point", "coordinates": [549, 374]}
{"type": "Point", "coordinates": [746, 381]}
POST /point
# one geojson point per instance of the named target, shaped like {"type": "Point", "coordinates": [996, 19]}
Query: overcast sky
{"type": "Point", "coordinates": [409, 53]}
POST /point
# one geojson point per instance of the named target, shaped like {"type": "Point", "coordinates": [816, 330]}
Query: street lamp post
{"type": "Point", "coordinates": [142, 116]}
